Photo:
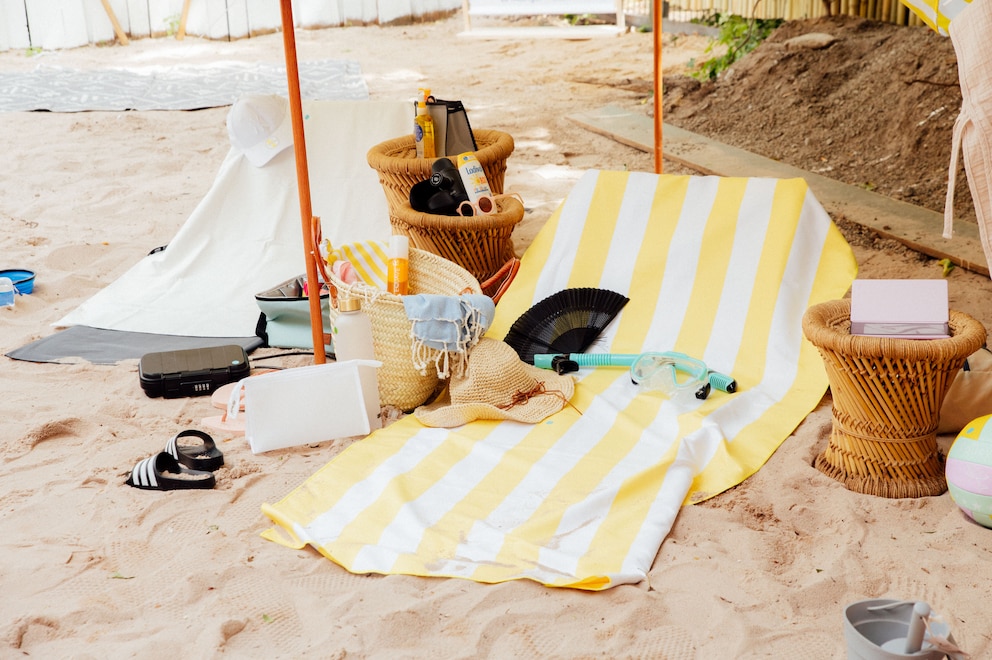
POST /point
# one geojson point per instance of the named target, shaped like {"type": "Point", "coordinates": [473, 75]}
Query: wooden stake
{"type": "Point", "coordinates": [118, 30]}
{"type": "Point", "coordinates": [656, 7]}
{"type": "Point", "coordinates": [181, 33]}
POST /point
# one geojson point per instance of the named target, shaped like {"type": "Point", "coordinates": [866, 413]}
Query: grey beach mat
{"type": "Point", "coordinates": [99, 346]}
{"type": "Point", "coordinates": [173, 88]}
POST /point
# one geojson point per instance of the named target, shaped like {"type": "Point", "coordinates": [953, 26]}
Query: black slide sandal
{"type": "Point", "coordinates": [201, 456]}
{"type": "Point", "coordinates": [163, 472]}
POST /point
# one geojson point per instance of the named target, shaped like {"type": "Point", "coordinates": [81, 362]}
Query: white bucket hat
{"type": "Point", "coordinates": [260, 127]}
{"type": "Point", "coordinates": [497, 384]}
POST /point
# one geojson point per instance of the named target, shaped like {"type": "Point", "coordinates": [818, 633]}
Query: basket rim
{"type": "Point", "coordinates": [498, 146]}
{"type": "Point", "coordinates": [510, 212]}
{"type": "Point", "coordinates": [372, 294]}
{"type": "Point", "coordinates": [827, 326]}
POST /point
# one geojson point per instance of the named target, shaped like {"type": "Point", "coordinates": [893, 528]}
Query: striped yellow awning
{"type": "Point", "coordinates": [937, 14]}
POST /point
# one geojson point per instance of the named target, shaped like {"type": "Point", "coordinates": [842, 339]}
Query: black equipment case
{"type": "Point", "coordinates": [191, 372]}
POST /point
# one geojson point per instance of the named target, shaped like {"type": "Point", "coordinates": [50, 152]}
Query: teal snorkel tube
{"type": "Point", "coordinates": [644, 368]}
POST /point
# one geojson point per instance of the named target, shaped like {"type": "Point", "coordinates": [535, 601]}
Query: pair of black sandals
{"type": "Point", "coordinates": [181, 465]}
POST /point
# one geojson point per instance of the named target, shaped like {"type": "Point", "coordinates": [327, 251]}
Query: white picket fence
{"type": "Point", "coordinates": [52, 24]}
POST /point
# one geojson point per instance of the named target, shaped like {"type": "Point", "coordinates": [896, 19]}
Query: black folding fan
{"type": "Point", "coordinates": [565, 322]}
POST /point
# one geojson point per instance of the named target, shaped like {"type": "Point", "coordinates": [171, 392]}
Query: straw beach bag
{"type": "Point", "coordinates": [401, 382]}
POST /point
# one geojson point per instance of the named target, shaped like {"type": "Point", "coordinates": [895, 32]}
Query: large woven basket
{"type": "Point", "coordinates": [399, 168]}
{"type": "Point", "coordinates": [886, 401]}
{"type": "Point", "coordinates": [401, 384]}
{"type": "Point", "coordinates": [480, 244]}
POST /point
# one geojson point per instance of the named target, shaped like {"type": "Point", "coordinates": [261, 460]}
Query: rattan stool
{"type": "Point", "coordinates": [886, 401]}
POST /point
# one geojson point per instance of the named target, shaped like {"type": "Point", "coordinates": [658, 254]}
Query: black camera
{"type": "Point", "coordinates": [442, 193]}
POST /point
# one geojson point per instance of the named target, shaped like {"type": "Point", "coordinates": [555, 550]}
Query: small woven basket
{"type": "Point", "coordinates": [401, 384]}
{"type": "Point", "coordinates": [886, 401]}
{"type": "Point", "coordinates": [399, 168]}
{"type": "Point", "coordinates": [480, 244]}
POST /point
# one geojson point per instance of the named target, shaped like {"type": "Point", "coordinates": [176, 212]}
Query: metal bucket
{"type": "Point", "coordinates": [883, 629]}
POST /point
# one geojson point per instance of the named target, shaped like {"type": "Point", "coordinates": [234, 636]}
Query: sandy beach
{"type": "Point", "coordinates": [93, 568]}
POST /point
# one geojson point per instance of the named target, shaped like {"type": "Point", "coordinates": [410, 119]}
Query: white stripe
{"type": "Point", "coordinates": [581, 522]}
{"type": "Point", "coordinates": [328, 526]}
{"type": "Point", "coordinates": [738, 293]}
{"type": "Point", "coordinates": [143, 473]}
{"type": "Point", "coordinates": [680, 264]}
{"type": "Point", "coordinates": [561, 259]}
{"type": "Point", "coordinates": [433, 504]}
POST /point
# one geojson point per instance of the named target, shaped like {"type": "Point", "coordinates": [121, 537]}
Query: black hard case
{"type": "Point", "coordinates": [191, 372]}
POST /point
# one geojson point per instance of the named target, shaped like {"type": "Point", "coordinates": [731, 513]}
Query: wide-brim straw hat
{"type": "Point", "coordinates": [496, 385]}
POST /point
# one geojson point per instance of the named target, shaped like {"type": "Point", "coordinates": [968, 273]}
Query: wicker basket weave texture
{"type": "Point", "coordinates": [400, 383]}
{"type": "Point", "coordinates": [480, 244]}
{"type": "Point", "coordinates": [399, 168]}
{"type": "Point", "coordinates": [886, 395]}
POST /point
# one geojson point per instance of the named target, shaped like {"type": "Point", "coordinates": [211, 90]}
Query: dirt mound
{"type": "Point", "coordinates": [871, 105]}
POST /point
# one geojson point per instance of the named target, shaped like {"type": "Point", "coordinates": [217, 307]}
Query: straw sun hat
{"type": "Point", "coordinates": [497, 384]}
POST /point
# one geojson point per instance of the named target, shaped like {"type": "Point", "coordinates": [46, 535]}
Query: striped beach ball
{"type": "Point", "coordinates": [969, 470]}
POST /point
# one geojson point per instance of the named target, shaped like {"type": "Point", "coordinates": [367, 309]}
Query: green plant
{"type": "Point", "coordinates": [172, 25]}
{"type": "Point", "coordinates": [740, 35]}
{"type": "Point", "coordinates": [579, 19]}
{"type": "Point", "coordinates": [32, 51]}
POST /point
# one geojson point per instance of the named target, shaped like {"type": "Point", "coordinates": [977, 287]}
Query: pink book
{"type": "Point", "coordinates": [905, 309]}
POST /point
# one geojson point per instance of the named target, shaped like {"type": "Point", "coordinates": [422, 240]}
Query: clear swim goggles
{"type": "Point", "coordinates": [673, 374]}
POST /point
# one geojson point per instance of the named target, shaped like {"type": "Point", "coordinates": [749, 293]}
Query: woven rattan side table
{"type": "Point", "coordinates": [886, 401]}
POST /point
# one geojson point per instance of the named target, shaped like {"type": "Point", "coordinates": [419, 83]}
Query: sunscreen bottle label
{"type": "Point", "coordinates": [473, 177]}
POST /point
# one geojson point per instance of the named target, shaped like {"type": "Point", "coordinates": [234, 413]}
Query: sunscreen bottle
{"type": "Point", "coordinates": [475, 181]}
{"type": "Point", "coordinates": [398, 271]}
{"type": "Point", "coordinates": [423, 132]}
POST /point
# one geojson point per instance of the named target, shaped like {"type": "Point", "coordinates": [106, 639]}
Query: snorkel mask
{"type": "Point", "coordinates": [673, 374]}
{"type": "Point", "coordinates": [670, 371]}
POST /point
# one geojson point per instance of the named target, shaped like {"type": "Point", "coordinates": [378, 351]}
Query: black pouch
{"type": "Point", "coordinates": [452, 131]}
{"type": "Point", "coordinates": [192, 371]}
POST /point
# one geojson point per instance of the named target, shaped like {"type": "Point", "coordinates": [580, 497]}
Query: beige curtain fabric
{"type": "Point", "coordinates": [970, 33]}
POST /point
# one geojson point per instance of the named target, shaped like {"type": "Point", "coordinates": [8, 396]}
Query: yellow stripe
{"type": "Point", "coordinates": [443, 538]}
{"type": "Point", "coordinates": [626, 431]}
{"type": "Point", "coordinates": [835, 270]}
{"type": "Point", "coordinates": [363, 258]}
{"type": "Point", "coordinates": [520, 296]}
{"type": "Point", "coordinates": [329, 484]}
{"type": "Point", "coordinates": [645, 288]}
{"type": "Point", "coordinates": [636, 496]}
{"type": "Point", "coordinates": [373, 520]}
{"type": "Point", "coordinates": [768, 280]}
{"type": "Point", "coordinates": [717, 246]}
{"type": "Point", "coordinates": [604, 206]}
{"type": "Point", "coordinates": [519, 549]}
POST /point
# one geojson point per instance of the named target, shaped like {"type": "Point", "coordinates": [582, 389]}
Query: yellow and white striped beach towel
{"type": "Point", "coordinates": [721, 269]}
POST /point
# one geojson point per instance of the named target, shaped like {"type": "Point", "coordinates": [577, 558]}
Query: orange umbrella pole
{"type": "Point", "coordinates": [303, 181]}
{"type": "Point", "coordinates": [656, 31]}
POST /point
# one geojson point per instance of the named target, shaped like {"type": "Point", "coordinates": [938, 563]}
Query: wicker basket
{"type": "Point", "coordinates": [886, 401]}
{"type": "Point", "coordinates": [480, 244]}
{"type": "Point", "coordinates": [399, 168]}
{"type": "Point", "coordinates": [401, 384]}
